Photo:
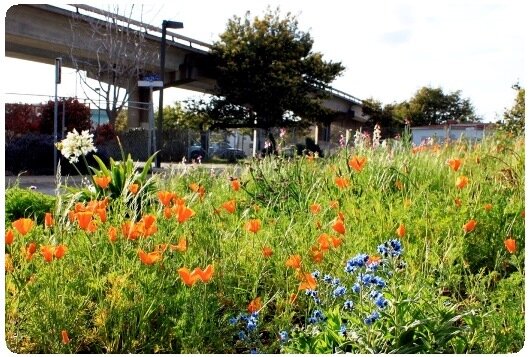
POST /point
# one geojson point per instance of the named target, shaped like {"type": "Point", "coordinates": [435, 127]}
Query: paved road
{"type": "Point", "coordinates": [47, 184]}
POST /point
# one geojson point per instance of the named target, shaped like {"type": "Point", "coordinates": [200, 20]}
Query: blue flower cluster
{"type": "Point", "coordinates": [370, 277]}
{"type": "Point", "coordinates": [250, 321]}
{"type": "Point", "coordinates": [357, 262]}
{"type": "Point", "coordinates": [378, 299]}
{"type": "Point", "coordinates": [348, 305]}
{"type": "Point", "coordinates": [313, 294]}
{"type": "Point", "coordinates": [284, 336]}
{"type": "Point", "coordinates": [339, 291]}
{"type": "Point", "coordinates": [392, 248]}
{"type": "Point", "coordinates": [317, 316]}
{"type": "Point", "coordinates": [369, 320]}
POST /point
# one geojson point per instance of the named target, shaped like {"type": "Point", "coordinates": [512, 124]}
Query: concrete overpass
{"type": "Point", "coordinates": [42, 33]}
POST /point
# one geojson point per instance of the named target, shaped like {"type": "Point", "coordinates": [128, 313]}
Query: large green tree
{"type": "Point", "coordinates": [267, 74]}
{"type": "Point", "coordinates": [432, 106]}
{"type": "Point", "coordinates": [514, 117]}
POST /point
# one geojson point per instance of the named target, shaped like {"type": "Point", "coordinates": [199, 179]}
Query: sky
{"type": "Point", "coordinates": [390, 48]}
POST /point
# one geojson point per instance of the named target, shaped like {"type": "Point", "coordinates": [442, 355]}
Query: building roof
{"type": "Point", "coordinates": [460, 126]}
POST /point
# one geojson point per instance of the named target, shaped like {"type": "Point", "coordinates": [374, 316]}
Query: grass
{"type": "Point", "coordinates": [446, 292]}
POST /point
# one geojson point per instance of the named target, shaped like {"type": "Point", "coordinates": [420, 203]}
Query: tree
{"type": "Point", "coordinates": [514, 117]}
{"type": "Point", "coordinates": [267, 75]}
{"type": "Point", "coordinates": [432, 106]}
{"type": "Point", "coordinates": [21, 118]}
{"type": "Point", "coordinates": [383, 115]}
{"type": "Point", "coordinates": [77, 116]}
{"type": "Point", "coordinates": [117, 59]}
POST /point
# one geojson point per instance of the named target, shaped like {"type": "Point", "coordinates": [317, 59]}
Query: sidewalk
{"type": "Point", "coordinates": [47, 184]}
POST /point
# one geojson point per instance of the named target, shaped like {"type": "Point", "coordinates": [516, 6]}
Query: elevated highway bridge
{"type": "Point", "coordinates": [42, 33]}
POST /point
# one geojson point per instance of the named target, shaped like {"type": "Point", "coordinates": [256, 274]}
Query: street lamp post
{"type": "Point", "coordinates": [58, 65]}
{"type": "Point", "coordinates": [173, 25]}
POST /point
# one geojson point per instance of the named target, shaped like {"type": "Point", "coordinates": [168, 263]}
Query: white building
{"type": "Point", "coordinates": [443, 132]}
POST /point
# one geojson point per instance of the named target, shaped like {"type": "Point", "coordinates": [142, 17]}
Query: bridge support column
{"type": "Point", "coordinates": [138, 108]}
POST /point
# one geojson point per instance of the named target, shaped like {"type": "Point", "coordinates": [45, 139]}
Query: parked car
{"type": "Point", "coordinates": [223, 150]}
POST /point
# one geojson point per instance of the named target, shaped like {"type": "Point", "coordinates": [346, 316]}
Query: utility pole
{"type": "Point", "coordinates": [58, 63]}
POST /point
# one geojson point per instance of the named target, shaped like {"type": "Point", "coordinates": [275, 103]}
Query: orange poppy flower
{"type": "Point", "coordinates": [267, 252]}
{"type": "Point", "coordinates": [308, 282]}
{"type": "Point", "coordinates": [148, 231]}
{"type": "Point", "coordinates": [149, 258]}
{"type": "Point", "coordinates": [336, 241]}
{"type": "Point", "coordinates": [64, 337]}
{"type": "Point", "coordinates": [194, 187]}
{"type": "Point", "coordinates": [131, 230]}
{"type": "Point", "coordinates": [178, 201]}
{"type": "Point", "coordinates": [458, 202]}
{"type": "Point", "coordinates": [235, 184]}
{"type": "Point", "coordinates": [30, 250]}
{"type": "Point", "coordinates": [183, 213]}
{"type": "Point", "coordinates": [340, 216]}
{"type": "Point", "coordinates": [83, 219]}
{"type": "Point", "coordinates": [113, 234]}
{"type": "Point", "coordinates": [253, 225]}
{"type": "Point", "coordinates": [167, 212]}
{"type": "Point", "coordinates": [461, 181]}
{"type": "Point", "coordinates": [72, 216]}
{"type": "Point", "coordinates": [469, 226]}
{"type": "Point", "coordinates": [339, 226]}
{"type": "Point", "coordinates": [47, 253]}
{"type": "Point", "coordinates": [401, 230]}
{"type": "Point", "coordinates": [510, 245]}
{"type": "Point", "coordinates": [229, 206]}
{"type": "Point", "coordinates": [60, 251]}
{"type": "Point", "coordinates": [23, 225]}
{"type": "Point", "coordinates": [341, 182]}
{"type": "Point", "coordinates": [334, 204]}
{"type": "Point", "coordinates": [79, 207]}
{"type": "Point", "coordinates": [102, 213]}
{"type": "Point", "coordinates": [102, 181]}
{"type": "Point", "coordinates": [9, 237]}
{"type": "Point", "coordinates": [204, 275]}
{"type": "Point", "coordinates": [165, 197]}
{"type": "Point", "coordinates": [454, 164]}
{"type": "Point", "coordinates": [357, 163]}
{"type": "Point", "coordinates": [316, 255]}
{"type": "Point", "coordinates": [148, 220]}
{"type": "Point", "coordinates": [133, 188]}
{"type": "Point", "coordinates": [294, 261]}
{"type": "Point", "coordinates": [315, 208]}
{"type": "Point", "coordinates": [181, 246]}
{"type": "Point", "coordinates": [324, 241]}
{"type": "Point", "coordinates": [254, 305]}
{"type": "Point", "coordinates": [48, 219]}
{"type": "Point", "coordinates": [188, 278]}
{"type": "Point", "coordinates": [201, 192]}
{"type": "Point", "coordinates": [522, 214]}
{"type": "Point", "coordinates": [488, 207]}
